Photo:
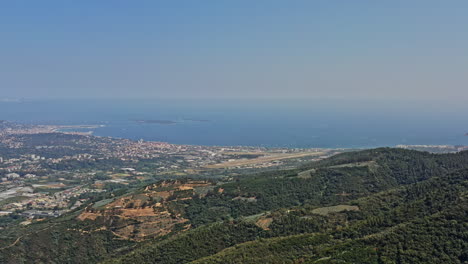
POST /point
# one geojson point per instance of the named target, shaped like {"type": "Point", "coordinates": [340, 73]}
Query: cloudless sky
{"type": "Point", "coordinates": [399, 49]}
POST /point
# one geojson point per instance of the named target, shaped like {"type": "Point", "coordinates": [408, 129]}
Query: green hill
{"type": "Point", "coordinates": [421, 223]}
{"type": "Point", "coordinates": [373, 206]}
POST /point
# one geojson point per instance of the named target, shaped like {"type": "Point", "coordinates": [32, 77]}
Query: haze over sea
{"type": "Point", "coordinates": [294, 123]}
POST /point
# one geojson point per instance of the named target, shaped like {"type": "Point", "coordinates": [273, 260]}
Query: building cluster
{"type": "Point", "coordinates": [39, 204]}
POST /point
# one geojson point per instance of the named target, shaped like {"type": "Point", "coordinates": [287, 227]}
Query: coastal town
{"type": "Point", "coordinates": [45, 172]}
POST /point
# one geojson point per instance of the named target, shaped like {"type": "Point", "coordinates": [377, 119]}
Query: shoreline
{"type": "Point", "coordinates": [72, 130]}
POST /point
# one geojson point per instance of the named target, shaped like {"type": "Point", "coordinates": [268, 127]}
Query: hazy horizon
{"type": "Point", "coordinates": [265, 50]}
{"type": "Point", "coordinates": [281, 123]}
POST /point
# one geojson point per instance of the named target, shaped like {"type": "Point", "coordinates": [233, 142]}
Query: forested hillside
{"type": "Point", "coordinates": [373, 206]}
{"type": "Point", "coordinates": [421, 223]}
{"type": "Point", "coordinates": [395, 191]}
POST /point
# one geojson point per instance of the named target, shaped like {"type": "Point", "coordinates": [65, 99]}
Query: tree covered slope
{"type": "Point", "coordinates": [404, 198]}
{"type": "Point", "coordinates": [373, 206]}
{"type": "Point", "coordinates": [421, 223]}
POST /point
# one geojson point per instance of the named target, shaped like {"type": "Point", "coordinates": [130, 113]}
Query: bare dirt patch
{"type": "Point", "coordinates": [150, 213]}
{"type": "Point", "coordinates": [264, 223]}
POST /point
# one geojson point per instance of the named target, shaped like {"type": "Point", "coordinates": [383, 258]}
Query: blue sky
{"type": "Point", "coordinates": [372, 50]}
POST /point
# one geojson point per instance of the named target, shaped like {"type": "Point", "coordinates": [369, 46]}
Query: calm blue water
{"type": "Point", "coordinates": [328, 124]}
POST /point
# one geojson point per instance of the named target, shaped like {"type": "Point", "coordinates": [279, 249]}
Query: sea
{"type": "Point", "coordinates": [306, 123]}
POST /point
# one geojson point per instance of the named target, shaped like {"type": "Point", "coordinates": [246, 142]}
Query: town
{"type": "Point", "coordinates": [45, 172]}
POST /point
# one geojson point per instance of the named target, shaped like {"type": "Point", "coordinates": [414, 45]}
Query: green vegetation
{"type": "Point", "coordinates": [194, 244]}
{"type": "Point", "coordinates": [373, 206]}
{"type": "Point", "coordinates": [424, 223]}
{"type": "Point", "coordinates": [326, 186]}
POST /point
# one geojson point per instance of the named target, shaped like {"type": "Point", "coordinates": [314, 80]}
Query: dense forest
{"type": "Point", "coordinates": [373, 206]}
